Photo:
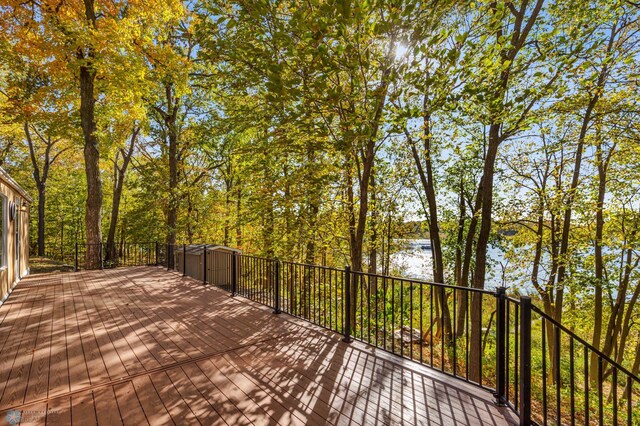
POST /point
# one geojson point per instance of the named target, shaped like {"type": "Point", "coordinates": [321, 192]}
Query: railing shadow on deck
{"type": "Point", "coordinates": [504, 345]}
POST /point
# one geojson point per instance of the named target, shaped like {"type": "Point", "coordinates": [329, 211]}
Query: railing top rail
{"type": "Point", "coordinates": [288, 262]}
{"type": "Point", "coordinates": [424, 282]}
{"type": "Point", "coordinates": [117, 243]}
{"type": "Point", "coordinates": [584, 343]}
{"type": "Point", "coordinates": [250, 256]}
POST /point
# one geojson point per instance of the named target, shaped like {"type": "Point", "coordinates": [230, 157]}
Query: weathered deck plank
{"type": "Point", "coordinates": [146, 346]}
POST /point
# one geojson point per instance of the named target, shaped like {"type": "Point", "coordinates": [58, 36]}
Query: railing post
{"type": "Point", "coordinates": [234, 273]}
{"type": "Point", "coordinates": [76, 259]}
{"type": "Point", "coordinates": [184, 260]}
{"type": "Point", "coordinates": [501, 352]}
{"type": "Point", "coordinates": [157, 246]}
{"type": "Point", "coordinates": [167, 256]}
{"type": "Point", "coordinates": [346, 330]}
{"type": "Point", "coordinates": [525, 361]}
{"type": "Point", "coordinates": [276, 304]}
{"type": "Point", "coordinates": [100, 255]}
{"type": "Point", "coordinates": [204, 265]}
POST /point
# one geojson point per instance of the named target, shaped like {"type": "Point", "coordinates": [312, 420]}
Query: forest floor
{"type": "Point", "coordinates": [44, 265]}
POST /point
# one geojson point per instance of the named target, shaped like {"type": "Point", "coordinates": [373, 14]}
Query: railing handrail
{"type": "Point", "coordinates": [513, 299]}
{"type": "Point", "coordinates": [369, 274]}
{"type": "Point", "coordinates": [432, 283]}
{"type": "Point", "coordinates": [311, 265]}
{"type": "Point", "coordinates": [584, 343]}
{"type": "Point", "coordinates": [83, 243]}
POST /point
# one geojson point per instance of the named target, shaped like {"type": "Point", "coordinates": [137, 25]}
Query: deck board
{"type": "Point", "coordinates": [15, 386]}
{"type": "Point", "coordinates": [76, 361]}
{"type": "Point", "coordinates": [146, 346]}
{"type": "Point", "coordinates": [58, 360]}
{"type": "Point", "coordinates": [153, 407]}
{"type": "Point", "coordinates": [129, 405]}
{"type": "Point", "coordinates": [107, 410]}
{"type": "Point", "coordinates": [178, 408]}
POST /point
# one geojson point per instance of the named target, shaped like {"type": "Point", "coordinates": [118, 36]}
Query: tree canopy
{"type": "Point", "coordinates": [323, 131]}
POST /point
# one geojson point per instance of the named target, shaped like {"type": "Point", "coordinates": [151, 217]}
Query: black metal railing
{"type": "Point", "coordinates": [452, 329]}
{"type": "Point", "coordinates": [548, 378]}
{"type": "Point", "coordinates": [563, 387]}
{"type": "Point", "coordinates": [311, 292]}
{"type": "Point", "coordinates": [105, 256]}
{"type": "Point", "coordinates": [530, 362]}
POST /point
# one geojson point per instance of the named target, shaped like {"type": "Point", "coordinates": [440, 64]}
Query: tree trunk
{"type": "Point", "coordinates": [598, 260]}
{"type": "Point", "coordinates": [169, 115]}
{"type": "Point", "coordinates": [426, 178]}
{"type": "Point", "coordinates": [486, 193]}
{"type": "Point", "coordinates": [42, 194]}
{"type": "Point", "coordinates": [566, 225]}
{"type": "Point", "coordinates": [313, 205]}
{"type": "Point", "coordinates": [111, 254]}
{"type": "Point", "coordinates": [92, 169]}
{"type": "Point", "coordinates": [189, 216]}
{"type": "Point", "coordinates": [463, 296]}
{"type": "Point", "coordinates": [614, 324]}
{"type": "Point", "coordinates": [310, 258]}
{"type": "Point", "coordinates": [172, 214]}
{"type": "Point", "coordinates": [626, 326]}
{"type": "Point", "coordinates": [523, 24]}
{"type": "Point", "coordinates": [238, 216]}
{"type": "Point", "coordinates": [268, 219]}
{"type": "Point", "coordinates": [91, 151]}
{"type": "Point", "coordinates": [586, 120]}
{"type": "Point", "coordinates": [366, 159]}
{"type": "Point", "coordinates": [387, 255]}
{"type": "Point", "coordinates": [118, 185]}
{"type": "Point", "coordinates": [227, 212]}
{"type": "Point", "coordinates": [373, 242]}
{"type": "Point", "coordinates": [372, 281]}
{"type": "Point", "coordinates": [40, 181]}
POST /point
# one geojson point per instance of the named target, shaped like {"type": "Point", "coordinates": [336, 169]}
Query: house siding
{"type": "Point", "coordinates": [9, 274]}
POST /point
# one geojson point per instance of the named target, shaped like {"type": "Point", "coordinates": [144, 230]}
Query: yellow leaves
{"type": "Point", "coordinates": [58, 38]}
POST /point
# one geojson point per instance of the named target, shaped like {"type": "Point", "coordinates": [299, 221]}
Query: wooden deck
{"type": "Point", "coordinates": [145, 346]}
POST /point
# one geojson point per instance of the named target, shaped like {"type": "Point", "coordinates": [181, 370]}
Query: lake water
{"type": "Point", "coordinates": [415, 261]}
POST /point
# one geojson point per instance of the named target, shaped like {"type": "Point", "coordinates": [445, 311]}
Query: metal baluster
{"type": "Point", "coordinates": [544, 370]}
{"type": "Point", "coordinates": [586, 385]}
{"type": "Point", "coordinates": [500, 349]}
{"type": "Point", "coordinates": [234, 273]}
{"type": "Point", "coordinates": [204, 264]}
{"type": "Point", "coordinates": [556, 352]}
{"type": "Point", "coordinates": [347, 292]}
{"type": "Point", "coordinates": [421, 324]}
{"type": "Point", "coordinates": [629, 401]}
{"type": "Point", "coordinates": [525, 363]}
{"type": "Point", "coordinates": [572, 381]}
{"type": "Point", "coordinates": [600, 392]}
{"type": "Point", "coordinates": [184, 260]}
{"type": "Point", "coordinates": [431, 323]}
{"type": "Point", "coordinates": [277, 283]}
{"type": "Point", "coordinates": [614, 396]}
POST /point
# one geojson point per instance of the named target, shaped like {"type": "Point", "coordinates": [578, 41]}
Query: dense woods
{"type": "Point", "coordinates": [321, 132]}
